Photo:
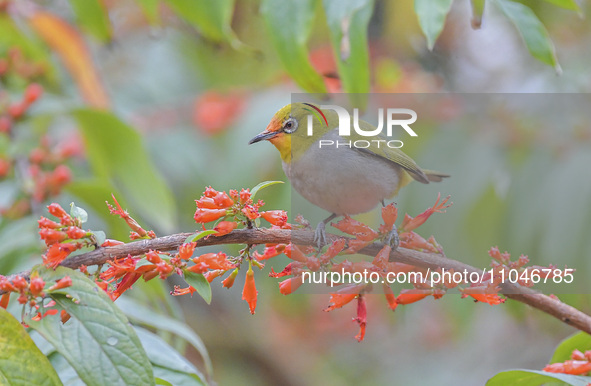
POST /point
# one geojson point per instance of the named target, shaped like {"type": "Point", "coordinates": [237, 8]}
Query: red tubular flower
{"type": "Point", "coordinates": [119, 268]}
{"type": "Point", "coordinates": [222, 200]}
{"type": "Point", "coordinates": [286, 271]}
{"type": "Point", "coordinates": [57, 211]}
{"type": "Point", "coordinates": [186, 250]}
{"type": "Point", "coordinates": [288, 286]}
{"type": "Point", "coordinates": [335, 248]}
{"type": "Point", "coordinates": [390, 297]}
{"type": "Point", "coordinates": [209, 276]}
{"type": "Point", "coordinates": [249, 293]}
{"type": "Point", "coordinates": [251, 212]}
{"type": "Point", "coordinates": [214, 261]}
{"type": "Point", "coordinates": [52, 236]}
{"type": "Point", "coordinates": [128, 280]}
{"type": "Point", "coordinates": [361, 317]}
{"type": "Point", "coordinates": [76, 233]}
{"type": "Point", "coordinates": [206, 203]}
{"type": "Point", "coordinates": [203, 215]}
{"type": "Point", "coordinates": [389, 216]}
{"type": "Point", "coordinates": [409, 223]}
{"type": "Point", "coordinates": [244, 196]}
{"type": "Point", "coordinates": [573, 367]}
{"type": "Point", "coordinates": [381, 259]}
{"type": "Point", "coordinates": [178, 291]}
{"type": "Point", "coordinates": [356, 228]}
{"type": "Point", "coordinates": [411, 296]}
{"type": "Point", "coordinates": [503, 258]}
{"type": "Point", "coordinates": [111, 243]}
{"type": "Point", "coordinates": [297, 255]}
{"type": "Point", "coordinates": [164, 269]}
{"type": "Point", "coordinates": [64, 282]}
{"type": "Point", "coordinates": [6, 285]}
{"type": "Point", "coordinates": [338, 300]}
{"type": "Point", "coordinates": [229, 281]}
{"type": "Point", "coordinates": [412, 240]}
{"type": "Point", "coordinates": [224, 227]}
{"type": "Point", "coordinates": [47, 223]}
{"type": "Point", "coordinates": [153, 257]}
{"type": "Point", "coordinates": [4, 300]}
{"type": "Point", "coordinates": [269, 252]}
{"type": "Point", "coordinates": [275, 217]}
{"type": "Point", "coordinates": [19, 283]}
{"type": "Point", "coordinates": [36, 285]}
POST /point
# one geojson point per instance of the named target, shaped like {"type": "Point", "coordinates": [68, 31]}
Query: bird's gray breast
{"type": "Point", "coordinates": [341, 180]}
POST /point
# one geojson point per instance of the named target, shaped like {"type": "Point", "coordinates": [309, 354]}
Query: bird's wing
{"type": "Point", "coordinates": [396, 156]}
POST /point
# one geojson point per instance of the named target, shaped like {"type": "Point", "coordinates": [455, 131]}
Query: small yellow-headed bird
{"type": "Point", "coordinates": [344, 180]}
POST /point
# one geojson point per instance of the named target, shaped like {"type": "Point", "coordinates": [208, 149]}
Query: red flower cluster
{"type": "Point", "coordinates": [45, 164]}
{"type": "Point", "coordinates": [579, 364]}
{"type": "Point", "coordinates": [30, 292]}
{"type": "Point", "coordinates": [15, 63]}
{"type": "Point", "coordinates": [62, 238]}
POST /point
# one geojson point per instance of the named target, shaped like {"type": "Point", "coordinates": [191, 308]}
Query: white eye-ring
{"type": "Point", "coordinates": [290, 125]}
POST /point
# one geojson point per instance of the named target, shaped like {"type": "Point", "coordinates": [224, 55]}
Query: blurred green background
{"type": "Point", "coordinates": [188, 86]}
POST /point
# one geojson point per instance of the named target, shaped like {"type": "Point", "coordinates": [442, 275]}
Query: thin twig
{"type": "Point", "coordinates": [544, 303]}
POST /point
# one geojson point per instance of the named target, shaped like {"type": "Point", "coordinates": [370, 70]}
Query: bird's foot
{"type": "Point", "coordinates": [320, 235]}
{"type": "Point", "coordinates": [392, 238]}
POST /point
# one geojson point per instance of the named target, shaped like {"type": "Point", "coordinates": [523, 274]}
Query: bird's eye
{"type": "Point", "coordinates": [290, 126]}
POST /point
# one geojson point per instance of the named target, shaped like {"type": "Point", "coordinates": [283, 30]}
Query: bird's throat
{"type": "Point", "coordinates": [283, 144]}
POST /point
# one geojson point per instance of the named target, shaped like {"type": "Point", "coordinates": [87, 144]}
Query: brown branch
{"type": "Point", "coordinates": [554, 307]}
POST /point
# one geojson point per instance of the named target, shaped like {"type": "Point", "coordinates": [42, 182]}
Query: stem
{"type": "Point", "coordinates": [544, 303]}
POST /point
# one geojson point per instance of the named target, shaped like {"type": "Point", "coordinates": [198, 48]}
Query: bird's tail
{"type": "Point", "coordinates": [435, 176]}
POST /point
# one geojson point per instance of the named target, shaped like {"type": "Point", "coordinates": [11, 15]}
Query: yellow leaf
{"type": "Point", "coordinates": [68, 44]}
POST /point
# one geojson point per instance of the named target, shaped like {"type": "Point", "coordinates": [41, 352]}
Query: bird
{"type": "Point", "coordinates": [343, 180]}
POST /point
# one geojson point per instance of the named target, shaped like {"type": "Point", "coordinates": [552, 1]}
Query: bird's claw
{"type": "Point", "coordinates": [320, 235]}
{"type": "Point", "coordinates": [392, 238]}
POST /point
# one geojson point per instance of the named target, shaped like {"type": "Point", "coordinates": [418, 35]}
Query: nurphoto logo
{"type": "Point", "coordinates": [393, 117]}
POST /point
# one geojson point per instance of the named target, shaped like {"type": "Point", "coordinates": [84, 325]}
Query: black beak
{"type": "Point", "coordinates": [262, 136]}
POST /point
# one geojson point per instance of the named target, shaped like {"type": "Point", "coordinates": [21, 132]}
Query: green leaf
{"type": "Point", "coordinates": [92, 17]}
{"type": "Point", "coordinates": [21, 362]}
{"type": "Point", "coordinates": [160, 381]}
{"type": "Point", "coordinates": [580, 341]}
{"type": "Point", "coordinates": [200, 283]}
{"type": "Point", "coordinates": [262, 186]}
{"type": "Point", "coordinates": [117, 156]}
{"type": "Point", "coordinates": [566, 4]}
{"type": "Point", "coordinates": [535, 378]}
{"type": "Point", "coordinates": [97, 341]}
{"type": "Point", "coordinates": [200, 235]}
{"type": "Point", "coordinates": [150, 9]}
{"type": "Point", "coordinates": [431, 15]}
{"type": "Point", "coordinates": [289, 23]}
{"type": "Point", "coordinates": [348, 22]}
{"type": "Point", "coordinates": [100, 237]}
{"type": "Point", "coordinates": [168, 364]}
{"type": "Point", "coordinates": [79, 213]}
{"type": "Point", "coordinates": [212, 18]}
{"type": "Point", "coordinates": [66, 372]}
{"type": "Point", "coordinates": [531, 30]}
{"type": "Point", "coordinates": [138, 313]}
